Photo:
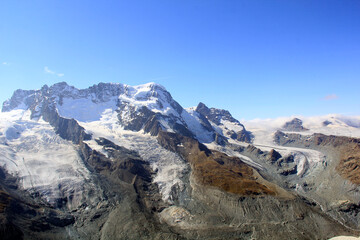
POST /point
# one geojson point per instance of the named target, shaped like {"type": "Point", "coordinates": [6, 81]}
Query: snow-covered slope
{"type": "Point", "coordinates": [44, 163]}
{"type": "Point", "coordinates": [193, 122]}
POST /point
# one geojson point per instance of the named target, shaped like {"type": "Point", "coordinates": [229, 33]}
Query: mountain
{"type": "Point", "coordinates": [115, 161]}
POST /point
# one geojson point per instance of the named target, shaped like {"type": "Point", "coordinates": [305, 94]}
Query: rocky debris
{"type": "Point", "coordinates": [134, 119]}
{"type": "Point", "coordinates": [154, 124]}
{"type": "Point", "coordinates": [341, 171]}
{"type": "Point", "coordinates": [212, 168]}
{"type": "Point", "coordinates": [273, 156]}
{"type": "Point", "coordinates": [137, 199]}
{"type": "Point", "coordinates": [347, 149]}
{"type": "Point", "coordinates": [7, 229]}
{"type": "Point", "coordinates": [295, 125]}
{"type": "Point", "coordinates": [22, 215]}
{"type": "Point", "coordinates": [221, 140]}
{"type": "Point", "coordinates": [289, 171]}
{"type": "Point", "coordinates": [241, 208]}
{"type": "Point", "coordinates": [285, 161]}
{"type": "Point", "coordinates": [244, 136]}
{"type": "Point", "coordinates": [282, 139]}
{"type": "Point", "coordinates": [283, 165]}
{"type": "Point", "coordinates": [252, 149]}
{"type": "Point", "coordinates": [125, 166]}
{"type": "Point", "coordinates": [349, 166]}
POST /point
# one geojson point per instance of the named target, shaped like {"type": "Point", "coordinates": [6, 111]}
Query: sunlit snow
{"type": "Point", "coordinates": [41, 159]}
{"type": "Point", "coordinates": [193, 123]}
{"type": "Point", "coordinates": [84, 109]}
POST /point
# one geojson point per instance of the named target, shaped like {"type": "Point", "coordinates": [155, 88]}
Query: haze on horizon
{"type": "Point", "coordinates": [257, 59]}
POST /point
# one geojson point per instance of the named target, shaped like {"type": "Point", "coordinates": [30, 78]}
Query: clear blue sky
{"type": "Point", "coordinates": [258, 59]}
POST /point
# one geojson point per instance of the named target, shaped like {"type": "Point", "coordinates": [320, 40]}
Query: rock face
{"type": "Point", "coordinates": [231, 127]}
{"type": "Point", "coordinates": [131, 163]}
{"type": "Point", "coordinates": [348, 150]}
{"type": "Point", "coordinates": [294, 125]}
{"type": "Point", "coordinates": [215, 115]}
{"type": "Point", "coordinates": [273, 156]}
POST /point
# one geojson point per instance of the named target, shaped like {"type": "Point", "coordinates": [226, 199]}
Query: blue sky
{"type": "Point", "coordinates": [258, 59]}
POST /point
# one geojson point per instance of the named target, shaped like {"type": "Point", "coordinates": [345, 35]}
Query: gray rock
{"type": "Point", "coordinates": [294, 125]}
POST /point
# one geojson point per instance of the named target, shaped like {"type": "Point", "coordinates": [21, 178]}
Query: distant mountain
{"type": "Point", "coordinates": [115, 161]}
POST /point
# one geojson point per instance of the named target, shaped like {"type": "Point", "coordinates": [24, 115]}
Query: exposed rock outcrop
{"type": "Point", "coordinates": [295, 125]}
{"type": "Point", "coordinates": [220, 117]}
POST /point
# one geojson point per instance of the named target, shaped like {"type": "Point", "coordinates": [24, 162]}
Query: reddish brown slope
{"type": "Point", "coordinates": [216, 169]}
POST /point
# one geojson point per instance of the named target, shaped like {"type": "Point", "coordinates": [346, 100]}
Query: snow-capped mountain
{"type": "Point", "coordinates": [115, 161]}
{"type": "Point", "coordinates": [147, 107]}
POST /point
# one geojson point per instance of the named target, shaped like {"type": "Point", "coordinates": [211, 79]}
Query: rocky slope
{"type": "Point", "coordinates": [128, 162]}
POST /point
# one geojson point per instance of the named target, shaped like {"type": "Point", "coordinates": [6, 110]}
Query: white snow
{"type": "Point", "coordinates": [165, 125]}
{"type": "Point", "coordinates": [85, 109]}
{"type": "Point", "coordinates": [41, 159]}
{"type": "Point", "coordinates": [345, 238]}
{"type": "Point", "coordinates": [157, 100]}
{"type": "Point", "coordinates": [231, 125]}
{"type": "Point", "coordinates": [340, 126]}
{"type": "Point", "coordinates": [193, 123]}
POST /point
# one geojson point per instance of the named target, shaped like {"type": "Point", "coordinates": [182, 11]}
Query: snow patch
{"type": "Point", "coordinates": [232, 126]}
{"type": "Point", "coordinates": [192, 121]}
{"type": "Point", "coordinates": [151, 95]}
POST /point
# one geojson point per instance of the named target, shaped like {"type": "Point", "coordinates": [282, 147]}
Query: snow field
{"type": "Point", "coordinates": [40, 158]}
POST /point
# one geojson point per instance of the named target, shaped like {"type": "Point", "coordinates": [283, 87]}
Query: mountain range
{"type": "Point", "coordinates": [115, 161]}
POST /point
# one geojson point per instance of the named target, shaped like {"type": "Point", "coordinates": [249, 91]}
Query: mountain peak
{"type": "Point", "coordinates": [203, 109]}
{"type": "Point", "coordinates": [60, 85]}
{"type": "Point", "coordinates": [214, 114]}
{"type": "Point", "coordinates": [153, 86]}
